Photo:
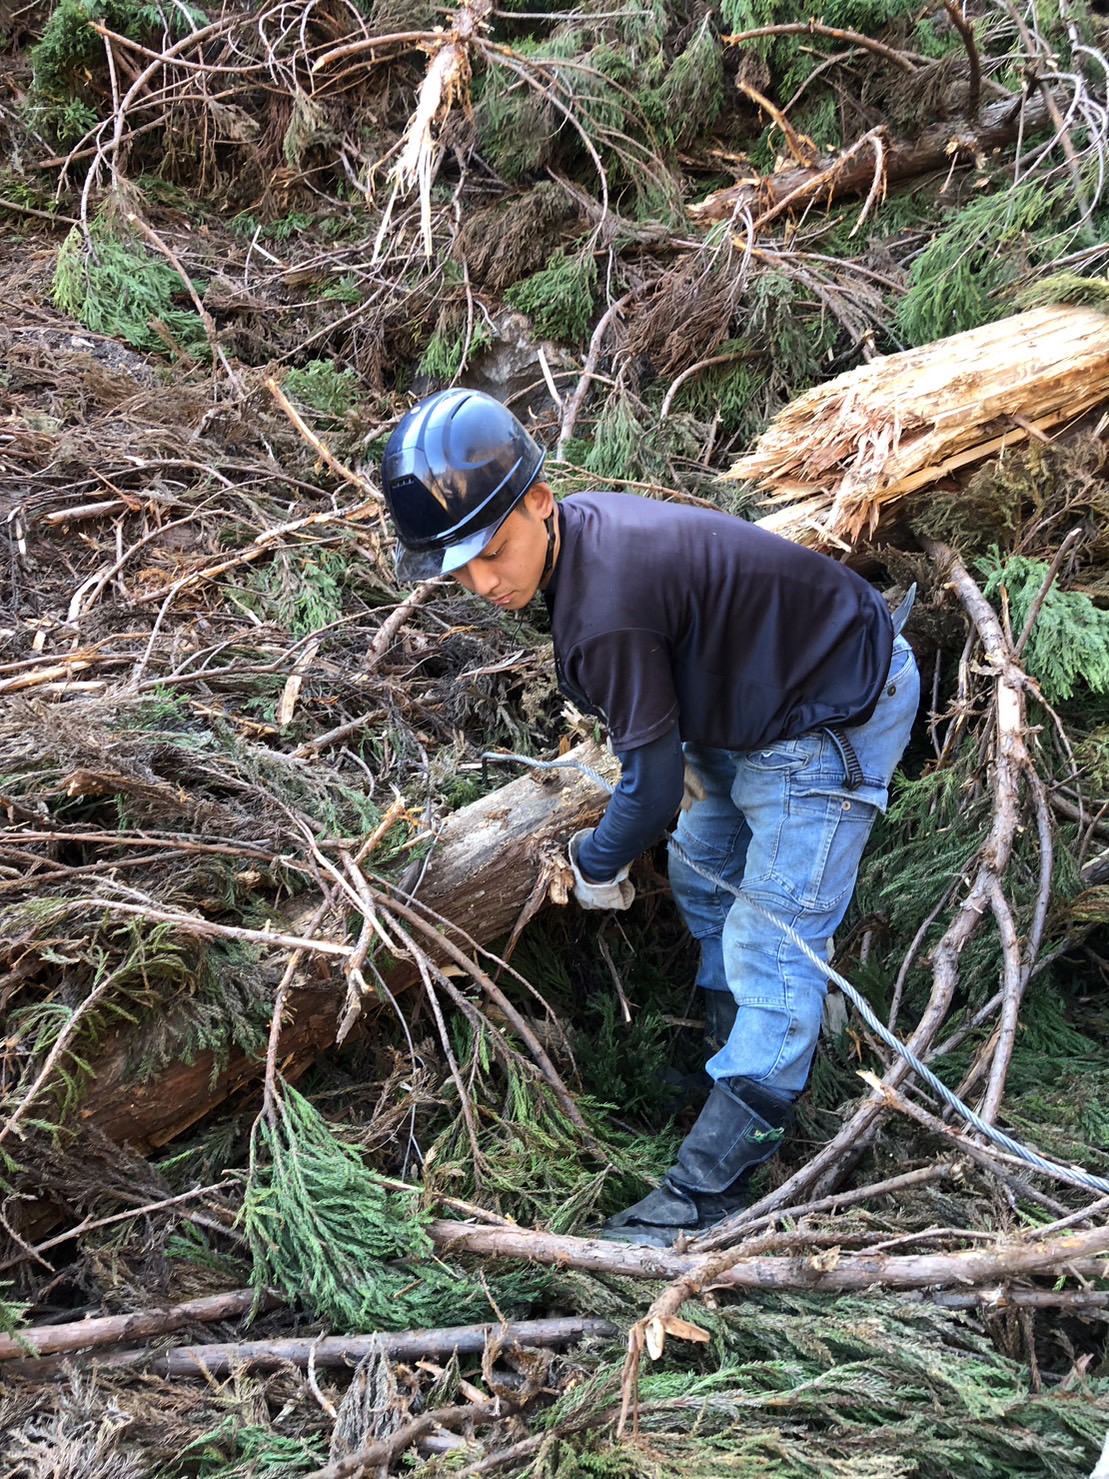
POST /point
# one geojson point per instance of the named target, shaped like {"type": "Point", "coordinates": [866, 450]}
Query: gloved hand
{"type": "Point", "coordinates": [617, 893]}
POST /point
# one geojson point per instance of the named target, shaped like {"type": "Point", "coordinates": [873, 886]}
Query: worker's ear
{"type": "Point", "coordinates": [540, 500]}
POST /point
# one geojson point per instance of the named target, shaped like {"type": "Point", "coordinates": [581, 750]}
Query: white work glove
{"type": "Point", "coordinates": [617, 893]}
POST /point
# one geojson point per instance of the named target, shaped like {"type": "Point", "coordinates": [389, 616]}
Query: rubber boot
{"type": "Point", "coordinates": [729, 1139]}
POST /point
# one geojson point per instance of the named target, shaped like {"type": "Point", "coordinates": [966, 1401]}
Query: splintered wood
{"type": "Point", "coordinates": [834, 458]}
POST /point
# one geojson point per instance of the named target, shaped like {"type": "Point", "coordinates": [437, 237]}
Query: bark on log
{"type": "Point", "coordinates": [933, 150]}
{"type": "Point", "coordinates": [491, 862]}
{"type": "Point", "coordinates": [1088, 1302]}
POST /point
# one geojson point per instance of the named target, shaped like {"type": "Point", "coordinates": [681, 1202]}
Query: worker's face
{"type": "Point", "coordinates": [508, 570]}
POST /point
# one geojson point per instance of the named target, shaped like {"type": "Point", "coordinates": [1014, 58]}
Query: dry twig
{"type": "Point", "coordinates": [107, 1330]}
{"type": "Point", "coordinates": [341, 1351]}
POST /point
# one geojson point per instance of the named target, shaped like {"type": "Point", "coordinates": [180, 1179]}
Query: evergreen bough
{"type": "Point", "coordinates": [1068, 647]}
{"type": "Point", "coordinates": [560, 297]}
{"type": "Point", "coordinates": [803, 1387]}
{"type": "Point", "coordinates": [957, 282]}
{"type": "Point", "coordinates": [110, 283]}
{"type": "Point", "coordinates": [323, 387]}
{"type": "Point", "coordinates": [69, 50]}
{"type": "Point", "coordinates": [331, 1237]}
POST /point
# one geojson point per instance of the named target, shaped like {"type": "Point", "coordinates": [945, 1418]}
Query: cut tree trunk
{"type": "Point", "coordinates": [492, 863]}
{"type": "Point", "coordinates": [833, 459]}
{"type": "Point", "coordinates": [831, 178]}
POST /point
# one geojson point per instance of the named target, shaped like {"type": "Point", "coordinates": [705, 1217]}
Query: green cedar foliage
{"type": "Point", "coordinates": [623, 443]}
{"type": "Point", "coordinates": [559, 298]}
{"type": "Point", "coordinates": [689, 95]}
{"type": "Point", "coordinates": [594, 100]}
{"type": "Point", "coordinates": [109, 281]}
{"type": "Point", "coordinates": [790, 60]}
{"type": "Point", "coordinates": [959, 280]}
{"type": "Point", "coordinates": [1091, 760]}
{"type": "Point", "coordinates": [1057, 1090]}
{"type": "Point", "coordinates": [920, 849]}
{"type": "Point", "coordinates": [325, 1231]}
{"type": "Point", "coordinates": [1066, 287]}
{"type": "Point", "coordinates": [1068, 647]}
{"type": "Point", "coordinates": [530, 1162]}
{"type": "Point", "coordinates": [450, 349]}
{"type": "Point", "coordinates": [782, 318]}
{"type": "Point", "coordinates": [13, 1315]}
{"type": "Point", "coordinates": [869, 17]}
{"type": "Point", "coordinates": [320, 386]}
{"type": "Point", "coordinates": [300, 590]}
{"type": "Point", "coordinates": [190, 996]}
{"type": "Point", "coordinates": [175, 994]}
{"type": "Point", "coordinates": [70, 51]}
{"type": "Point", "coordinates": [933, 38]}
{"type": "Point", "coordinates": [309, 128]}
{"type": "Point", "coordinates": [238, 1449]}
{"type": "Point", "coordinates": [37, 1029]}
{"type": "Point", "coordinates": [785, 342]}
{"type": "Point", "coordinates": [798, 1386]}
{"type": "Point", "coordinates": [738, 392]}
{"type": "Point", "coordinates": [518, 123]}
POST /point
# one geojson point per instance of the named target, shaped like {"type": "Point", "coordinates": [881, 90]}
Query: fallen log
{"type": "Point", "coordinates": [337, 1351]}
{"type": "Point", "coordinates": [833, 177]}
{"type": "Point", "coordinates": [833, 459]}
{"type": "Point", "coordinates": [492, 865]}
{"type": "Point", "coordinates": [979, 1276]}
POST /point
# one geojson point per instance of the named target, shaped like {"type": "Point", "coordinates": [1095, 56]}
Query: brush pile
{"type": "Point", "coordinates": [314, 1081]}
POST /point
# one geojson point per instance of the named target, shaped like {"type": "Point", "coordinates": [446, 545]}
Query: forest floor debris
{"type": "Point", "coordinates": [228, 742]}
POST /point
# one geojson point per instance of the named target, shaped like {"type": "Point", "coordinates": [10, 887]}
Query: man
{"type": "Point", "coordinates": [774, 673]}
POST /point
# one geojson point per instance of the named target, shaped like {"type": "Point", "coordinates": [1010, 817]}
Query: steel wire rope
{"type": "Point", "coordinates": [1077, 1175]}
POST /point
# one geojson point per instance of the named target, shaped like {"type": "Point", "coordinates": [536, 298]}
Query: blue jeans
{"type": "Point", "coordinates": [781, 824]}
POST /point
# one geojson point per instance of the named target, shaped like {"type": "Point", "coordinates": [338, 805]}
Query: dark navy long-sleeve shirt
{"type": "Point", "coordinates": [676, 624]}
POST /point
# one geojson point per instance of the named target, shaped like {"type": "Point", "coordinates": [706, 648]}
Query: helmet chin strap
{"type": "Point", "coordinates": [548, 563]}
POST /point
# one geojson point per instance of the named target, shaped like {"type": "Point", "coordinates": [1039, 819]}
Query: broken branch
{"type": "Point", "coordinates": [344, 1351]}
{"type": "Point", "coordinates": [83, 1335]}
{"type": "Point", "coordinates": [980, 1265]}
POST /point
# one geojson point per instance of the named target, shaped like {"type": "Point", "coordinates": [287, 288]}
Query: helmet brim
{"type": "Point", "coordinates": [414, 565]}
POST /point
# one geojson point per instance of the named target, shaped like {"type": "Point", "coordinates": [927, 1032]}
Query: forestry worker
{"type": "Point", "coordinates": [774, 673]}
